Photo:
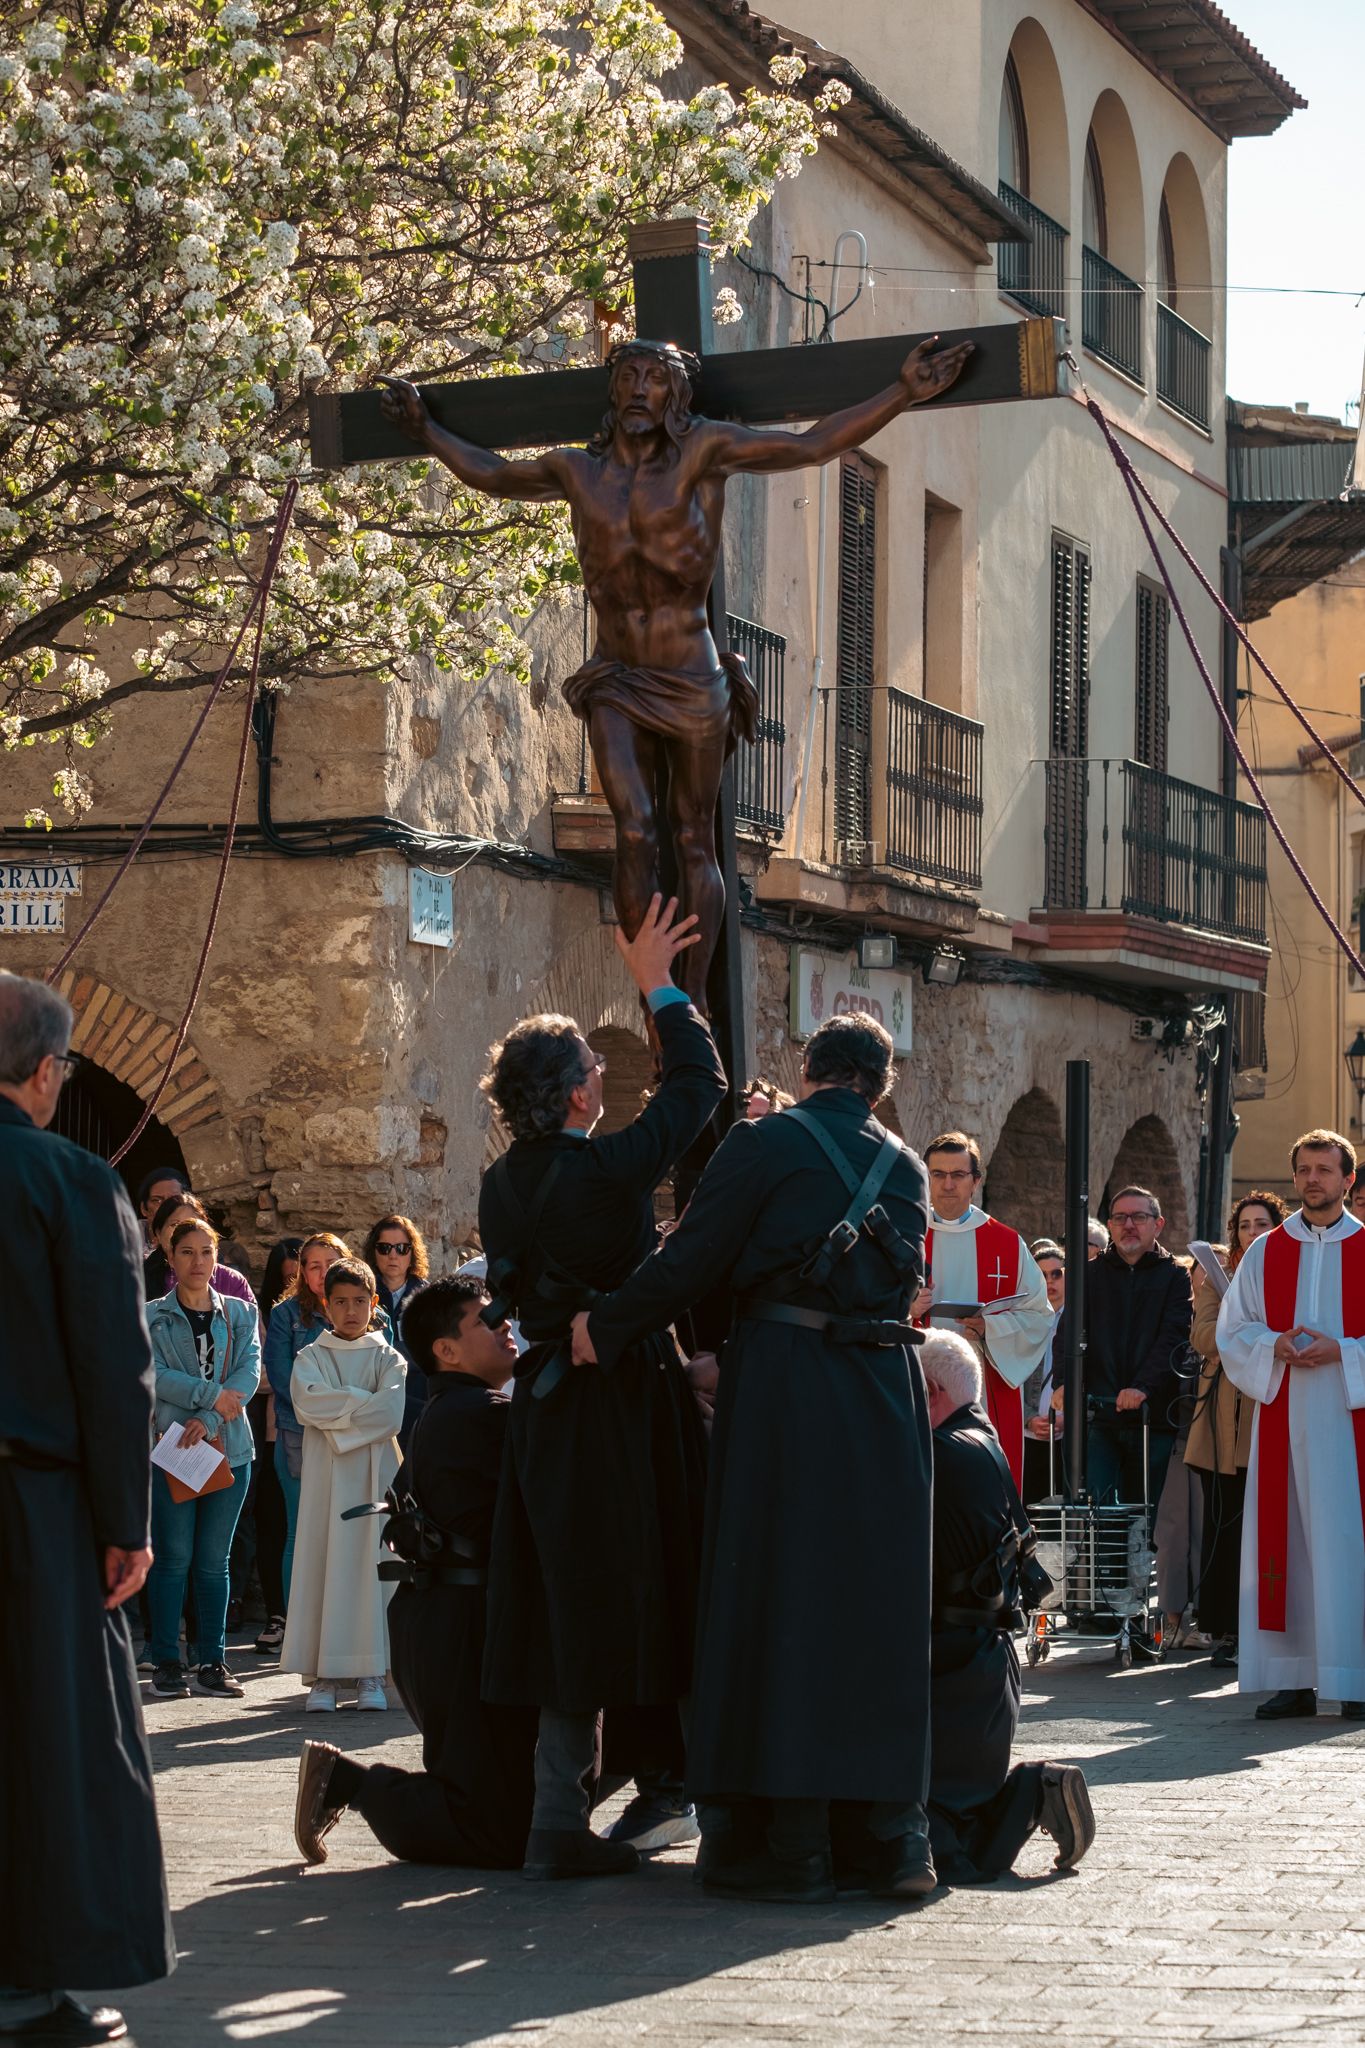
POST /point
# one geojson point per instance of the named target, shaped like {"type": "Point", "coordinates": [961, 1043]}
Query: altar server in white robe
{"type": "Point", "coordinates": [347, 1391]}
{"type": "Point", "coordinates": [1291, 1333]}
{"type": "Point", "coordinates": [971, 1257]}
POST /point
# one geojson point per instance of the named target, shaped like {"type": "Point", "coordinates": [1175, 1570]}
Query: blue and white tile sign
{"type": "Point", "coordinates": [33, 894]}
{"type": "Point", "coordinates": [431, 908]}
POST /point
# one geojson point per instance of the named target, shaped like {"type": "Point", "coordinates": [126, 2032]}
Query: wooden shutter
{"type": "Point", "coordinates": [855, 669]}
{"type": "Point", "coordinates": [1068, 723]}
{"type": "Point", "coordinates": [1152, 689]}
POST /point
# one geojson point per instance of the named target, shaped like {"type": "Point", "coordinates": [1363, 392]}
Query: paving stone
{"type": "Point", "coordinates": [1223, 1903]}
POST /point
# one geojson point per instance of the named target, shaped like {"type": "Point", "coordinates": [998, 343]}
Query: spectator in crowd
{"type": "Point", "coordinates": [1138, 1314]}
{"type": "Point", "coordinates": [1177, 1532]}
{"type": "Point", "coordinates": [155, 1188]}
{"type": "Point", "coordinates": [981, 1811]}
{"type": "Point", "coordinates": [347, 1391]}
{"type": "Point", "coordinates": [471, 1801]}
{"type": "Point", "coordinates": [396, 1253]}
{"type": "Point", "coordinates": [762, 1098]}
{"type": "Point", "coordinates": [259, 1541]}
{"type": "Point", "coordinates": [80, 1858]}
{"type": "Point", "coordinates": [1041, 1422]}
{"type": "Point", "coordinates": [156, 1272]}
{"type": "Point", "coordinates": [1219, 1447]}
{"type": "Point", "coordinates": [206, 1349]}
{"type": "Point", "coordinates": [298, 1318]}
{"type": "Point", "coordinates": [1097, 1238]}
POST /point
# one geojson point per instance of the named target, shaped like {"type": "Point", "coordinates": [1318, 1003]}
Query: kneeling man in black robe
{"type": "Point", "coordinates": [811, 1697]}
{"type": "Point", "coordinates": [982, 1811]}
{"type": "Point", "coordinates": [471, 1801]}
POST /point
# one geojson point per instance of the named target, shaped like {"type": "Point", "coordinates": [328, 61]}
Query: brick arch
{"type": "Point", "coordinates": [1026, 1177]}
{"type": "Point", "coordinates": [1147, 1158]}
{"type": "Point", "coordinates": [132, 1044]}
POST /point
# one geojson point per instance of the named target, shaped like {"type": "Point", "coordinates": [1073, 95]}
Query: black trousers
{"type": "Point", "coordinates": [981, 1811]}
{"type": "Point", "coordinates": [471, 1801]}
{"type": "Point", "coordinates": [1220, 1563]}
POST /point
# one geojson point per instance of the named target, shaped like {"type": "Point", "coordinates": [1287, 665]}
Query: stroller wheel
{"type": "Point", "coordinates": [1123, 1655]}
{"type": "Point", "coordinates": [1032, 1651]}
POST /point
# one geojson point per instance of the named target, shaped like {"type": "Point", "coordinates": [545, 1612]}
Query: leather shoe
{"type": "Point", "coordinates": [1064, 1812]}
{"type": "Point", "coordinates": [316, 1808]}
{"type": "Point", "coordinates": [781, 1880]}
{"type": "Point", "coordinates": [1353, 1710]}
{"type": "Point", "coordinates": [73, 2024]}
{"type": "Point", "coordinates": [1299, 1702]}
{"type": "Point", "coordinates": [576, 1852]}
{"type": "Point", "coordinates": [1224, 1657]}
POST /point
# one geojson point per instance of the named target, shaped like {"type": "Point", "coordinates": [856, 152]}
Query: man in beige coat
{"type": "Point", "coordinates": [347, 1391]}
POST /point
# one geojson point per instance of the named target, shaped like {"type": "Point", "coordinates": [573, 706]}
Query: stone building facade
{"type": "Point", "coordinates": [332, 1066]}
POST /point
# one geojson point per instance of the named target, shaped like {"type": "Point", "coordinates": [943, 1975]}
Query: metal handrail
{"type": "Point", "coordinates": [1182, 366]}
{"type": "Point", "coordinates": [1034, 272]}
{"type": "Point", "coordinates": [1111, 313]}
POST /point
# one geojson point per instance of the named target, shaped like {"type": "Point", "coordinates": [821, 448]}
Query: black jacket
{"type": "Point", "coordinates": [812, 1655]}
{"type": "Point", "coordinates": [597, 1536]}
{"type": "Point", "coordinates": [456, 1454]}
{"type": "Point", "coordinates": [973, 1508]}
{"type": "Point", "coordinates": [1139, 1319]}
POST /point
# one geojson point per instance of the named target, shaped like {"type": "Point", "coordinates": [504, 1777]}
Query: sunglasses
{"type": "Point", "coordinates": [385, 1246]}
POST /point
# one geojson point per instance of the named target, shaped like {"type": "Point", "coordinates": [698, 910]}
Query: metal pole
{"type": "Point", "coordinates": [1077, 1253]}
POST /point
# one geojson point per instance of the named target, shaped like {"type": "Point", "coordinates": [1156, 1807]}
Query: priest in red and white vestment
{"type": "Point", "coordinates": [1291, 1333]}
{"type": "Point", "coordinates": [971, 1258]}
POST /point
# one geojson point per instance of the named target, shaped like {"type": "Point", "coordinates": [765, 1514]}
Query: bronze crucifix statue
{"type": "Point", "coordinates": [646, 497]}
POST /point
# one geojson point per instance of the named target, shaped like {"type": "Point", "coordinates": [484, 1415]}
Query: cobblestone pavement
{"type": "Point", "coordinates": [1224, 1901]}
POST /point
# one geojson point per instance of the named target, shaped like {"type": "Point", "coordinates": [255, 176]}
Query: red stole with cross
{"type": "Point", "coordinates": [997, 1274]}
{"type": "Point", "coordinates": [1281, 1282]}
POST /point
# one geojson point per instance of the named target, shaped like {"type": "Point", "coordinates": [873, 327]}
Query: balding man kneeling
{"type": "Point", "coordinates": [981, 1812]}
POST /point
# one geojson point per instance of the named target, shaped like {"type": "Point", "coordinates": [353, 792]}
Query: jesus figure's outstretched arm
{"type": "Point", "coordinates": [926, 371]}
{"type": "Point", "coordinates": [540, 478]}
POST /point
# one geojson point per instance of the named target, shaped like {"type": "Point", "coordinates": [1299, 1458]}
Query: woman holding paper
{"type": "Point", "coordinates": [206, 1351]}
{"type": "Point", "coordinates": [1220, 1440]}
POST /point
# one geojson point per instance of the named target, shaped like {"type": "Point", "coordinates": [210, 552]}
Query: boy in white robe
{"type": "Point", "coordinates": [1291, 1334]}
{"type": "Point", "coordinates": [347, 1391]}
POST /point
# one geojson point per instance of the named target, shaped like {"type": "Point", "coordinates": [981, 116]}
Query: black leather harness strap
{"type": "Point", "coordinates": [424, 1575]}
{"type": "Point", "coordinates": [839, 1329]}
{"type": "Point", "coordinates": [864, 1215]}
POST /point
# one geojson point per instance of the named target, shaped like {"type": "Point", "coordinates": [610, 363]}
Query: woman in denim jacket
{"type": "Point", "coordinates": [206, 1352]}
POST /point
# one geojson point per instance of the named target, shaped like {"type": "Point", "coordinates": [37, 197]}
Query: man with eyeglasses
{"type": "Point", "coordinates": [972, 1260]}
{"type": "Point", "coordinates": [1139, 1312]}
{"type": "Point", "coordinates": [80, 1857]}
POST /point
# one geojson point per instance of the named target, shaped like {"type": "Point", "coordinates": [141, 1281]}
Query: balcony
{"type": "Point", "coordinates": [1153, 879]}
{"type": "Point", "coordinates": [1034, 272]}
{"type": "Point", "coordinates": [760, 790]}
{"type": "Point", "coordinates": [1111, 314]}
{"type": "Point", "coordinates": [933, 791]}
{"type": "Point", "coordinates": [1182, 367]}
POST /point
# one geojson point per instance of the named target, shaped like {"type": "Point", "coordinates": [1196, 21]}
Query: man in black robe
{"type": "Point", "coordinates": [982, 1811]}
{"type": "Point", "coordinates": [812, 1683]}
{"type": "Point", "coordinates": [80, 1858]}
{"type": "Point", "coordinates": [471, 1801]}
{"type": "Point", "coordinates": [597, 1535]}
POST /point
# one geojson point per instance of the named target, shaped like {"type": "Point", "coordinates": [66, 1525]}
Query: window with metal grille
{"type": "Point", "coordinates": [855, 670]}
{"type": "Point", "coordinates": [1068, 722]}
{"type": "Point", "coordinates": [1151, 678]}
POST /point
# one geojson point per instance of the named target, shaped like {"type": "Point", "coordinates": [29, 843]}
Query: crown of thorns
{"type": "Point", "coordinates": [662, 351]}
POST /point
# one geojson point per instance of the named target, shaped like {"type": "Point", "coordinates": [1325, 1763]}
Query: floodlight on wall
{"type": "Point", "coordinates": [943, 968]}
{"type": "Point", "coordinates": [876, 950]}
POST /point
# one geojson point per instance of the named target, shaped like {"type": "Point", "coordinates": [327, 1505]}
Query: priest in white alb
{"type": "Point", "coordinates": [972, 1260]}
{"type": "Point", "coordinates": [1291, 1333]}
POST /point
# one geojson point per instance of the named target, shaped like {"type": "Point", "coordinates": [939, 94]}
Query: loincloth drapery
{"type": "Point", "coordinates": [670, 701]}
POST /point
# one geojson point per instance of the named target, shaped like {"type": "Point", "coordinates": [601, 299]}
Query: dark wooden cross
{"type": "Point", "coordinates": [761, 387]}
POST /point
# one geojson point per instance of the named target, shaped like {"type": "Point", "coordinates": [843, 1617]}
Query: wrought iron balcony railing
{"type": "Point", "coordinates": [911, 795]}
{"type": "Point", "coordinates": [1111, 313]}
{"type": "Point", "coordinates": [760, 789]}
{"type": "Point", "coordinates": [1122, 836]}
{"type": "Point", "coordinates": [1182, 366]}
{"type": "Point", "coordinates": [1034, 272]}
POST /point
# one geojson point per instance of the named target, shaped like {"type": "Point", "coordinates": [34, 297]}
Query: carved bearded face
{"type": "Point", "coordinates": [650, 388]}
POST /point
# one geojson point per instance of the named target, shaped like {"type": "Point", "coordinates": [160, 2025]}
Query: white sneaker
{"type": "Point", "coordinates": [322, 1697]}
{"type": "Point", "coordinates": [370, 1696]}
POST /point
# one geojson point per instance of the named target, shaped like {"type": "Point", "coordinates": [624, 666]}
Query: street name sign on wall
{"type": "Point", "coordinates": [825, 985]}
{"type": "Point", "coordinates": [431, 908]}
{"type": "Point", "coordinates": [33, 894]}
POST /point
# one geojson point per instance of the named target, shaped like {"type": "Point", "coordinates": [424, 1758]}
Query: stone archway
{"type": "Point", "coordinates": [1147, 1159]}
{"type": "Point", "coordinates": [1025, 1182]}
{"type": "Point", "coordinates": [629, 1073]}
{"type": "Point", "coordinates": [132, 1044]}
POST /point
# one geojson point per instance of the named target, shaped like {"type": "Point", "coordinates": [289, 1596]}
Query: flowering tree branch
{"type": "Point", "coordinates": [209, 211]}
